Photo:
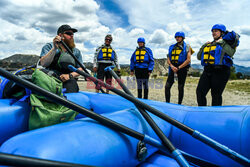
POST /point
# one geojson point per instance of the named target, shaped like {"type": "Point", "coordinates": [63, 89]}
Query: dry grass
{"type": "Point", "coordinates": [237, 92]}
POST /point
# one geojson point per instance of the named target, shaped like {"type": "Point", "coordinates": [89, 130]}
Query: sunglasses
{"type": "Point", "coordinates": [108, 40]}
{"type": "Point", "coordinates": [69, 33]}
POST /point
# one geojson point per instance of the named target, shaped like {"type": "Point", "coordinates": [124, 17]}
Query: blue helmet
{"type": "Point", "coordinates": [219, 27]}
{"type": "Point", "coordinates": [179, 34]}
{"type": "Point", "coordinates": [141, 39]}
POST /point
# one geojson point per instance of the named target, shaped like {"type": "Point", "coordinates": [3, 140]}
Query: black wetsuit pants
{"type": "Point", "coordinates": [71, 85]}
{"type": "Point", "coordinates": [214, 78]}
{"type": "Point", "coordinates": [142, 77]}
{"type": "Point", "coordinates": [182, 75]}
{"type": "Point", "coordinates": [101, 73]}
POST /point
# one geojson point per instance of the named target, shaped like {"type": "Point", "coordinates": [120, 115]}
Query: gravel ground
{"type": "Point", "coordinates": [156, 91]}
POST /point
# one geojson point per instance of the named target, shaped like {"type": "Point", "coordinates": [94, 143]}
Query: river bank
{"type": "Point", "coordinates": [237, 92]}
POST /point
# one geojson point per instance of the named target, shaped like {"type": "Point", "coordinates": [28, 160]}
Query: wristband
{"type": "Point", "coordinates": [70, 76]}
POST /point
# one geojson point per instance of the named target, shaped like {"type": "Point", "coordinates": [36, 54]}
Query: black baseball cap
{"type": "Point", "coordinates": [64, 28]}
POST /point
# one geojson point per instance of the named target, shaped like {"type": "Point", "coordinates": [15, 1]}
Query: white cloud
{"type": "Point", "coordinates": [160, 53]}
{"type": "Point", "coordinates": [27, 25]}
{"type": "Point", "coordinates": [159, 36]}
{"type": "Point", "coordinates": [180, 7]}
{"type": "Point", "coordinates": [136, 32]}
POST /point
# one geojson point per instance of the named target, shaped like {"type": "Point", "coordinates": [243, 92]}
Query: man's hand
{"type": "Point", "coordinates": [56, 40]}
{"type": "Point", "coordinates": [95, 69]}
{"type": "Point", "coordinates": [64, 77]}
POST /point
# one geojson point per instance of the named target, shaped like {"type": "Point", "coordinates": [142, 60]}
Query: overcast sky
{"type": "Point", "coordinates": [26, 25]}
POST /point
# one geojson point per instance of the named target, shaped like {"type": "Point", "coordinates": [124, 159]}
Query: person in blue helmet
{"type": "Point", "coordinates": [216, 57]}
{"type": "Point", "coordinates": [56, 58]}
{"type": "Point", "coordinates": [105, 56]}
{"type": "Point", "coordinates": [142, 63]}
{"type": "Point", "coordinates": [178, 59]}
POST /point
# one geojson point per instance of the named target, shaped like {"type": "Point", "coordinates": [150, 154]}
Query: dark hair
{"type": "Point", "coordinates": [109, 36]}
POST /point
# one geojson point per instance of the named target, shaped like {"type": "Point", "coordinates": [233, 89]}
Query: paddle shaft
{"type": "Point", "coordinates": [165, 141]}
{"type": "Point", "coordinates": [201, 137]}
{"type": "Point", "coordinates": [74, 57]}
{"type": "Point", "coordinates": [23, 161]}
{"type": "Point", "coordinates": [101, 119]}
{"type": "Point", "coordinates": [108, 123]}
{"type": "Point", "coordinates": [191, 158]}
{"type": "Point", "coordinates": [58, 99]}
{"type": "Point", "coordinates": [78, 62]}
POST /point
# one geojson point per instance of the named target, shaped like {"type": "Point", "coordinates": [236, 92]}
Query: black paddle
{"type": "Point", "coordinates": [165, 141]}
{"type": "Point", "coordinates": [24, 161]}
{"type": "Point", "coordinates": [101, 119]}
{"type": "Point", "coordinates": [196, 134]}
{"type": "Point", "coordinates": [78, 62]}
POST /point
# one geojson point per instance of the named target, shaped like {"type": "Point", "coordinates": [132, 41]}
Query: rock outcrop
{"type": "Point", "coordinates": [18, 61]}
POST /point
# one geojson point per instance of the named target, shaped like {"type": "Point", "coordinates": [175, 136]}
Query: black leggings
{"type": "Point", "coordinates": [182, 75]}
{"type": "Point", "coordinates": [214, 78]}
{"type": "Point", "coordinates": [71, 86]}
{"type": "Point", "coordinates": [101, 73]}
{"type": "Point", "coordinates": [142, 77]}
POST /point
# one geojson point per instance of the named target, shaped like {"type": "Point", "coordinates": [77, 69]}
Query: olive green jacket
{"type": "Point", "coordinates": [226, 48]}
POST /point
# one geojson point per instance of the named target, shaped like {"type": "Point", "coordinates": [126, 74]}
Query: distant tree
{"type": "Point", "coordinates": [239, 75]}
{"type": "Point", "coordinates": [233, 73]}
{"type": "Point", "coordinates": [124, 72]}
{"type": "Point", "coordinates": [195, 74]}
{"type": "Point", "coordinates": [154, 76]}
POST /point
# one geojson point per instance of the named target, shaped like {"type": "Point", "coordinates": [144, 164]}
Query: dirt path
{"type": "Point", "coordinates": [156, 91]}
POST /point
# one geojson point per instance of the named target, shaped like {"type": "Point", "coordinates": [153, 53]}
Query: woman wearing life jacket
{"type": "Point", "coordinates": [216, 57]}
{"type": "Point", "coordinates": [178, 59]}
{"type": "Point", "coordinates": [105, 56]}
{"type": "Point", "coordinates": [142, 62]}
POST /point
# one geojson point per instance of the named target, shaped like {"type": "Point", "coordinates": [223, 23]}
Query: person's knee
{"type": "Point", "coordinates": [168, 85]}
{"type": "Point", "coordinates": [199, 93]}
{"type": "Point", "coordinates": [180, 87]}
{"type": "Point", "coordinates": [216, 95]}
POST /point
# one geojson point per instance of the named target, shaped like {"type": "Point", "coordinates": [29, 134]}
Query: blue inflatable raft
{"type": "Point", "coordinates": [85, 141]}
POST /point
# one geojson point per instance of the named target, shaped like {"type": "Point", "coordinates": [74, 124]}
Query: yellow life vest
{"type": "Point", "coordinates": [208, 58]}
{"type": "Point", "coordinates": [140, 55]}
{"type": "Point", "coordinates": [175, 54]}
{"type": "Point", "coordinates": [107, 53]}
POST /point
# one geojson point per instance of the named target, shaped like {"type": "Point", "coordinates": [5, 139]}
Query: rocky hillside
{"type": "Point", "coordinates": [161, 67]}
{"type": "Point", "coordinates": [17, 61]}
